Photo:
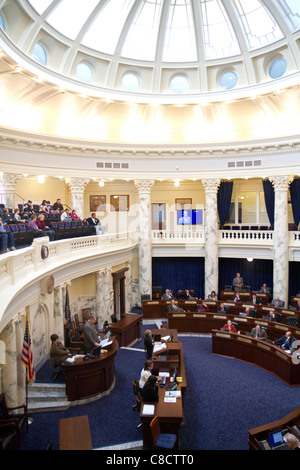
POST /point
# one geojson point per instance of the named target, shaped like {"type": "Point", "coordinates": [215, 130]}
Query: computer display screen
{"type": "Point", "coordinates": [275, 438]}
{"type": "Point", "coordinates": [190, 217]}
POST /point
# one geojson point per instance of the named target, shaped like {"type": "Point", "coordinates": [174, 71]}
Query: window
{"type": "Point", "coordinates": [84, 72]}
{"type": "Point", "coordinates": [278, 68]}
{"type": "Point", "coordinates": [179, 84]}
{"type": "Point", "coordinates": [39, 53]}
{"type": "Point", "coordinates": [131, 81]}
{"type": "Point", "coordinates": [2, 24]}
{"type": "Point", "coordinates": [228, 80]}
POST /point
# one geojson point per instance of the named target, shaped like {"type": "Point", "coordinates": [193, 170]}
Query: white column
{"type": "Point", "coordinates": [77, 186]}
{"type": "Point", "coordinates": [58, 311]}
{"type": "Point", "coordinates": [211, 235]}
{"type": "Point", "coordinates": [145, 254]}
{"type": "Point", "coordinates": [10, 369]}
{"type": "Point", "coordinates": [281, 252]}
{"type": "Point", "coordinates": [100, 299]}
{"type": "Point", "coordinates": [8, 184]}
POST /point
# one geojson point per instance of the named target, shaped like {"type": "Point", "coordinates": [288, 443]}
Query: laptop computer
{"type": "Point", "coordinates": [277, 441]}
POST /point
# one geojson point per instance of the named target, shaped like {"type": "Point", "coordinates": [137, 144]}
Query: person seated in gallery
{"type": "Point", "coordinates": [187, 295]}
{"type": "Point", "coordinates": [58, 207]}
{"type": "Point", "coordinates": [148, 344]}
{"type": "Point", "coordinates": [168, 295]}
{"type": "Point", "coordinates": [229, 326]}
{"type": "Point", "coordinates": [223, 308]}
{"type": "Point", "coordinates": [258, 332]}
{"type": "Point", "coordinates": [236, 298]}
{"type": "Point", "coordinates": [265, 289]}
{"type": "Point", "coordinates": [276, 302]}
{"type": "Point", "coordinates": [150, 390]}
{"type": "Point", "coordinates": [255, 300]}
{"type": "Point", "coordinates": [202, 307]}
{"type": "Point", "coordinates": [174, 307]}
{"type": "Point", "coordinates": [212, 296]}
{"type": "Point", "coordinates": [58, 352]}
{"type": "Point", "coordinates": [238, 282]}
{"type": "Point", "coordinates": [286, 341]}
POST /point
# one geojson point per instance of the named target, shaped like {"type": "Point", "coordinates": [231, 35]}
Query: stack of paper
{"type": "Point", "coordinates": [148, 410]}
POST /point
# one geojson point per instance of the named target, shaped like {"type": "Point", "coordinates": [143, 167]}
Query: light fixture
{"type": "Point", "coordinates": [101, 183]}
{"type": "Point", "coordinates": [41, 179]}
{"type": "Point", "coordinates": [250, 260]}
{"type": "Point", "coordinates": [176, 183]}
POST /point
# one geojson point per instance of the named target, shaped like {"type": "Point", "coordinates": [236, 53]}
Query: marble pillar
{"type": "Point", "coordinates": [211, 186]}
{"type": "Point", "coordinates": [77, 186]}
{"type": "Point", "coordinates": [10, 369]}
{"type": "Point", "coordinates": [145, 253]}
{"type": "Point", "coordinates": [108, 295]}
{"type": "Point", "coordinates": [7, 185]}
{"type": "Point", "coordinates": [281, 252]}
{"type": "Point", "coordinates": [128, 287]}
{"type": "Point", "coordinates": [58, 311]}
{"type": "Point", "coordinates": [100, 299]}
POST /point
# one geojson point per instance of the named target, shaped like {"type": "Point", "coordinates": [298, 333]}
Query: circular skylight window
{"type": "Point", "coordinates": [228, 80]}
{"type": "Point", "coordinates": [84, 72]}
{"type": "Point", "coordinates": [39, 53]}
{"type": "Point", "coordinates": [179, 84]}
{"type": "Point", "coordinates": [130, 81]}
{"type": "Point", "coordinates": [278, 68]}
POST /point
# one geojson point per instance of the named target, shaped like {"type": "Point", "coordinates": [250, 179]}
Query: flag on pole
{"type": "Point", "coordinates": [26, 356]}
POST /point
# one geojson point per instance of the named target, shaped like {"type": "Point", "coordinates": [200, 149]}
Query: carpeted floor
{"type": "Point", "coordinates": [224, 399]}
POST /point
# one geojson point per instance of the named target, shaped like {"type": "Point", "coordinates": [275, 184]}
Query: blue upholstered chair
{"type": "Point", "coordinates": [161, 440]}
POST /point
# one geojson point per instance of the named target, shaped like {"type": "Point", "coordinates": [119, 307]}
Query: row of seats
{"type": "Point", "coordinates": [77, 228]}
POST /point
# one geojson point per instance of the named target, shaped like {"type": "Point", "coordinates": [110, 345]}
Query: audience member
{"type": "Point", "coordinates": [28, 209]}
{"type": "Point", "coordinates": [230, 327]}
{"type": "Point", "coordinates": [57, 206]}
{"type": "Point", "coordinates": [65, 216]}
{"type": "Point", "coordinates": [42, 225]}
{"type": "Point", "coordinates": [17, 216]}
{"type": "Point", "coordinates": [258, 332]}
{"type": "Point", "coordinates": [148, 344]}
{"type": "Point", "coordinates": [150, 390]}
{"type": "Point", "coordinates": [238, 282]}
{"type": "Point", "coordinates": [276, 302]}
{"type": "Point", "coordinates": [6, 216]}
{"type": "Point", "coordinates": [74, 215]}
{"type": "Point", "coordinates": [285, 341]}
{"type": "Point", "coordinates": [95, 222]}
{"type": "Point", "coordinates": [7, 239]}
{"type": "Point", "coordinates": [57, 351]}
{"type": "Point", "coordinates": [32, 225]}
{"type": "Point", "coordinates": [168, 295]}
{"type": "Point", "coordinates": [91, 337]}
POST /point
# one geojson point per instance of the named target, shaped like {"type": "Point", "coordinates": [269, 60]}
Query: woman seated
{"type": "Point", "coordinates": [57, 351]}
{"type": "Point", "coordinates": [145, 374]}
{"type": "Point", "coordinates": [150, 390]}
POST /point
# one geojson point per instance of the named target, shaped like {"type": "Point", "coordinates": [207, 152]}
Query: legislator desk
{"type": "Point", "coordinates": [245, 295]}
{"type": "Point", "coordinates": [258, 352]}
{"type": "Point", "coordinates": [92, 377]}
{"type": "Point", "coordinates": [258, 438]}
{"type": "Point", "coordinates": [191, 322]}
{"type": "Point", "coordinates": [158, 308]}
{"type": "Point", "coordinates": [127, 330]}
{"type": "Point", "coordinates": [170, 415]}
{"type": "Point", "coordinates": [74, 433]}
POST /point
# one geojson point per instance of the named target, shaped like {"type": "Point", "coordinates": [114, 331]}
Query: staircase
{"type": "Point", "coordinates": [47, 397]}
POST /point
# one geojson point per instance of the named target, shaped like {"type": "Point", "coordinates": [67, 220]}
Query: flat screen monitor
{"type": "Point", "coordinates": [96, 351]}
{"type": "Point", "coordinates": [190, 217]}
{"type": "Point", "coordinates": [276, 438]}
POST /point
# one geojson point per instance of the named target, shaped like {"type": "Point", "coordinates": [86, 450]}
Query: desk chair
{"type": "Point", "coordinates": [19, 420]}
{"type": "Point", "coordinates": [292, 321]}
{"type": "Point", "coordinates": [161, 440]}
{"type": "Point", "coordinates": [8, 436]}
{"type": "Point", "coordinates": [56, 369]}
{"type": "Point", "coordinates": [138, 398]}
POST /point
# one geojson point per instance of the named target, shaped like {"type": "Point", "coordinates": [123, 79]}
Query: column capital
{"type": "Point", "coordinates": [211, 185]}
{"type": "Point", "coordinates": [8, 181]}
{"type": "Point", "coordinates": [281, 182]}
{"type": "Point", "coordinates": [77, 184]}
{"type": "Point", "coordinates": [144, 186]}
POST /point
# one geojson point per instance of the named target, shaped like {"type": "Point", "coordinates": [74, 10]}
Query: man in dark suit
{"type": "Point", "coordinates": [91, 338]}
{"type": "Point", "coordinates": [258, 332]}
{"type": "Point", "coordinates": [265, 289]}
{"type": "Point", "coordinates": [255, 300]}
{"type": "Point", "coordinates": [96, 224]}
{"type": "Point", "coordinates": [173, 307]}
{"type": "Point", "coordinates": [236, 298]}
{"type": "Point", "coordinates": [286, 341]}
{"type": "Point", "coordinates": [277, 302]}
{"type": "Point", "coordinates": [223, 308]}
{"type": "Point", "coordinates": [168, 295]}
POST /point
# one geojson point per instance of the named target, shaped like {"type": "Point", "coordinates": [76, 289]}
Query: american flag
{"type": "Point", "coordinates": [26, 356]}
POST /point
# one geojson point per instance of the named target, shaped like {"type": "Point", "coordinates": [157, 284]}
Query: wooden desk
{"type": "Point", "coordinates": [92, 377]}
{"type": "Point", "coordinates": [258, 437]}
{"type": "Point", "coordinates": [170, 415]}
{"type": "Point", "coordinates": [258, 352]}
{"type": "Point", "coordinates": [228, 295]}
{"type": "Point", "coordinates": [127, 330]}
{"type": "Point", "coordinates": [74, 433]}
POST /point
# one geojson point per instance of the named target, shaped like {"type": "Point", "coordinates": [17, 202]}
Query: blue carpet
{"type": "Point", "coordinates": [224, 399]}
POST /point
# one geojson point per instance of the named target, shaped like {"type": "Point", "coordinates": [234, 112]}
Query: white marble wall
{"type": "Point", "coordinates": [145, 252]}
{"type": "Point", "coordinates": [77, 186]}
{"type": "Point", "coordinates": [211, 235]}
{"type": "Point", "coordinates": [8, 183]}
{"type": "Point", "coordinates": [281, 255]}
